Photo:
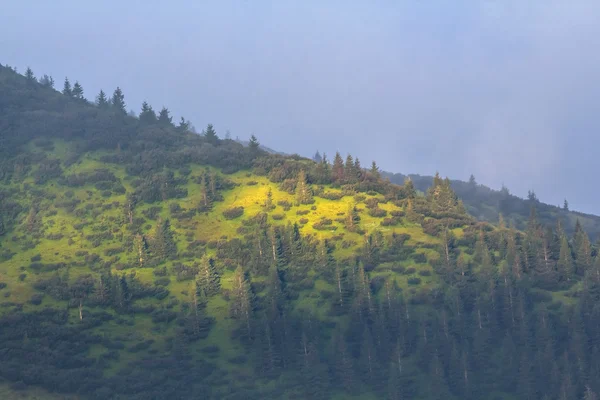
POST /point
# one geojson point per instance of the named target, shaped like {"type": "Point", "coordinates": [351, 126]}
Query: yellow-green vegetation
{"type": "Point", "coordinates": [139, 260]}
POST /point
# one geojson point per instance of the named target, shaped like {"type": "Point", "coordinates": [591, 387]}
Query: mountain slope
{"type": "Point", "coordinates": [139, 260]}
{"type": "Point", "coordinates": [487, 204]}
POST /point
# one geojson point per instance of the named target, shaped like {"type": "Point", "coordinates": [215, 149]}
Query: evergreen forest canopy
{"type": "Point", "coordinates": [139, 260]}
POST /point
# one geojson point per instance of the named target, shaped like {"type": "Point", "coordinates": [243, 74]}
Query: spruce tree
{"type": "Point", "coordinates": [208, 277]}
{"type": "Point", "coordinates": [253, 144]}
{"type": "Point", "coordinates": [242, 300]}
{"type": "Point", "coordinates": [77, 91]}
{"type": "Point", "coordinates": [29, 75]}
{"type": "Point", "coordinates": [565, 261]}
{"type": "Point", "coordinates": [303, 190]}
{"type": "Point", "coordinates": [375, 170]}
{"type": "Point", "coordinates": [352, 218]}
{"type": "Point", "coordinates": [67, 91]}
{"type": "Point", "coordinates": [147, 114]}
{"type": "Point", "coordinates": [349, 172]}
{"type": "Point", "coordinates": [164, 119]}
{"type": "Point", "coordinates": [338, 168]}
{"type": "Point", "coordinates": [210, 135]}
{"type": "Point", "coordinates": [163, 244]}
{"type": "Point", "coordinates": [183, 125]}
{"type": "Point", "coordinates": [102, 100]}
{"type": "Point", "coordinates": [317, 157]}
{"type": "Point", "coordinates": [47, 81]}
{"type": "Point", "coordinates": [118, 101]}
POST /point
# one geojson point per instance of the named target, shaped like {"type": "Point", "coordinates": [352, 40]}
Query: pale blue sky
{"type": "Point", "coordinates": [508, 90]}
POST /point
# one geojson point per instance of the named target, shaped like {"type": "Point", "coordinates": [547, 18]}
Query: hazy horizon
{"type": "Point", "coordinates": [503, 90]}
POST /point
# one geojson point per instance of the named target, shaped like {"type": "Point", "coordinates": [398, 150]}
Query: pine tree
{"type": "Point", "coordinates": [566, 205]}
{"type": "Point", "coordinates": [198, 322]}
{"type": "Point", "coordinates": [583, 250]}
{"type": "Point", "coordinates": [565, 261]}
{"type": "Point", "coordinates": [163, 244]}
{"type": "Point", "coordinates": [29, 75]}
{"type": "Point", "coordinates": [164, 119]}
{"type": "Point", "coordinates": [208, 277]}
{"type": "Point", "coordinates": [352, 218]}
{"type": "Point", "coordinates": [77, 91]}
{"type": "Point", "coordinates": [147, 114]}
{"type": "Point", "coordinates": [253, 144]}
{"type": "Point", "coordinates": [343, 365]}
{"type": "Point", "coordinates": [409, 189]}
{"type": "Point", "coordinates": [303, 190]}
{"type": "Point", "coordinates": [141, 249]}
{"type": "Point", "coordinates": [358, 170]}
{"type": "Point", "coordinates": [102, 100]}
{"type": "Point", "coordinates": [375, 170]}
{"type": "Point", "coordinates": [338, 168]}
{"type": "Point", "coordinates": [242, 300]}
{"type": "Point", "coordinates": [67, 91]}
{"type": "Point", "coordinates": [349, 171]}
{"type": "Point", "coordinates": [317, 157]}
{"type": "Point", "coordinates": [47, 81]}
{"type": "Point", "coordinates": [210, 135]}
{"type": "Point", "coordinates": [118, 101]}
{"type": "Point", "coordinates": [183, 125]}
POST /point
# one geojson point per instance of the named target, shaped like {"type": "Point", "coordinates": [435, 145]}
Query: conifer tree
{"type": "Point", "coordinates": [163, 244]}
{"type": "Point", "coordinates": [29, 75]}
{"type": "Point", "coordinates": [77, 91]}
{"type": "Point", "coordinates": [183, 125]}
{"type": "Point", "coordinates": [141, 249]}
{"type": "Point", "coordinates": [358, 170]}
{"type": "Point", "coordinates": [338, 168]}
{"type": "Point", "coordinates": [242, 300]}
{"type": "Point", "coordinates": [198, 322]}
{"type": "Point", "coordinates": [164, 119]}
{"type": "Point", "coordinates": [583, 250]}
{"type": "Point", "coordinates": [118, 101]}
{"type": "Point", "coordinates": [303, 190]}
{"type": "Point", "coordinates": [409, 189]}
{"type": "Point", "coordinates": [147, 114]}
{"type": "Point", "coordinates": [210, 135]}
{"type": "Point", "coordinates": [102, 100]}
{"type": "Point", "coordinates": [47, 81]}
{"type": "Point", "coordinates": [352, 218]}
{"type": "Point", "coordinates": [565, 261]}
{"type": "Point", "coordinates": [67, 90]}
{"type": "Point", "coordinates": [317, 157]}
{"type": "Point", "coordinates": [349, 172]}
{"type": "Point", "coordinates": [208, 277]}
{"type": "Point", "coordinates": [253, 144]}
{"type": "Point", "coordinates": [375, 170]}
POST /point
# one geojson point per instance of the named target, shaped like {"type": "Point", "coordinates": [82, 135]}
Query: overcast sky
{"type": "Point", "coordinates": [508, 90]}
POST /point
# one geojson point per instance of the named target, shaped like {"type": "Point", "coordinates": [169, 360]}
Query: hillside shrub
{"type": "Point", "coordinates": [233, 212]}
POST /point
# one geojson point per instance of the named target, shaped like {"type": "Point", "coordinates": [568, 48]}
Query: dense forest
{"type": "Point", "coordinates": [141, 260]}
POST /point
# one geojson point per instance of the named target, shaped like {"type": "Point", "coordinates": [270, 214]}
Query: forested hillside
{"type": "Point", "coordinates": [139, 260]}
{"type": "Point", "coordinates": [487, 205]}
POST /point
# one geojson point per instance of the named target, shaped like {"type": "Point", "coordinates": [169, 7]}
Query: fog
{"type": "Point", "coordinates": [506, 90]}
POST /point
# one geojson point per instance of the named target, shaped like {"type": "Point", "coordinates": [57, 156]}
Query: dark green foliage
{"type": "Point", "coordinates": [118, 101]}
{"type": "Point", "coordinates": [164, 118]}
{"type": "Point", "coordinates": [163, 245]}
{"type": "Point", "coordinates": [210, 135]}
{"type": "Point", "coordinates": [77, 91]}
{"type": "Point", "coordinates": [208, 278]}
{"type": "Point", "coordinates": [233, 212]}
{"type": "Point", "coordinates": [488, 317]}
